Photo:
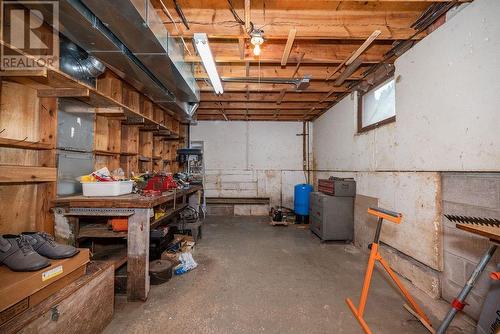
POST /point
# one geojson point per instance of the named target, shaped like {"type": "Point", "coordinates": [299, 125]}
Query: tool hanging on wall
{"type": "Point", "coordinates": [396, 218]}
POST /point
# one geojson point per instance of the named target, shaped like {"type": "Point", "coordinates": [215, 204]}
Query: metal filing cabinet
{"type": "Point", "coordinates": [331, 217]}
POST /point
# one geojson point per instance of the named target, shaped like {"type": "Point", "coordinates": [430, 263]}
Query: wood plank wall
{"type": "Point", "coordinates": [28, 131]}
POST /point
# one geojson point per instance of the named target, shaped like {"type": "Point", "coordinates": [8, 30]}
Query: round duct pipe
{"type": "Point", "coordinates": [78, 63]}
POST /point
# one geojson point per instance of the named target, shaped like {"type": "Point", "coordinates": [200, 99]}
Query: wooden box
{"type": "Point", "coordinates": [84, 306]}
{"type": "Point", "coordinates": [17, 286]}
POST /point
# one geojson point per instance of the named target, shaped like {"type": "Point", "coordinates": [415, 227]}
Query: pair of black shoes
{"type": "Point", "coordinates": [31, 251]}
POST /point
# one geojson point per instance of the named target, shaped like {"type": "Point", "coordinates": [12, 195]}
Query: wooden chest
{"type": "Point", "coordinates": [84, 306]}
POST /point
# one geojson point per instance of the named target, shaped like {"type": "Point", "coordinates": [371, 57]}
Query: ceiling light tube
{"type": "Point", "coordinates": [201, 42]}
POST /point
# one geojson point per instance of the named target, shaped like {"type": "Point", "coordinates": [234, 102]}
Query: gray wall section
{"type": "Point", "coordinates": [468, 194]}
{"type": "Point", "coordinates": [447, 121]}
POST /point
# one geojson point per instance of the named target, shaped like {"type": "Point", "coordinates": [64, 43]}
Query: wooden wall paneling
{"type": "Point", "coordinates": [101, 131]}
{"type": "Point", "coordinates": [46, 192]}
{"type": "Point", "coordinates": [16, 203]}
{"type": "Point", "coordinates": [146, 144]}
{"type": "Point", "coordinates": [107, 136]}
{"type": "Point", "coordinates": [147, 108]}
{"type": "Point", "coordinates": [158, 154]}
{"type": "Point", "coordinates": [114, 133]}
{"type": "Point", "coordinates": [168, 121]}
{"type": "Point", "coordinates": [130, 139]}
{"type": "Point", "coordinates": [110, 85]}
{"type": "Point", "coordinates": [18, 112]}
{"type": "Point", "coordinates": [159, 115]}
{"type": "Point", "coordinates": [175, 126]}
{"type": "Point", "coordinates": [131, 98]}
{"type": "Point", "coordinates": [110, 161]}
{"type": "Point", "coordinates": [129, 164]}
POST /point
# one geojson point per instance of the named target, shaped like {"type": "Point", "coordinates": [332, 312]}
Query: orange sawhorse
{"type": "Point", "coordinates": [375, 256]}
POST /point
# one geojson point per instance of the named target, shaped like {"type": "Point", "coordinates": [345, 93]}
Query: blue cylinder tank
{"type": "Point", "coordinates": [301, 199]}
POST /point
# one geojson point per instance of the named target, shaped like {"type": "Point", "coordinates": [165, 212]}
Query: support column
{"type": "Point", "coordinates": [138, 255]}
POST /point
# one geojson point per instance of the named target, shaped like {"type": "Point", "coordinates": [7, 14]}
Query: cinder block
{"type": "Point", "coordinates": [238, 193]}
{"type": "Point", "coordinates": [472, 189]}
{"type": "Point", "coordinates": [242, 210]}
{"type": "Point", "coordinates": [450, 291]}
{"type": "Point", "coordinates": [238, 178]}
{"type": "Point", "coordinates": [423, 277]}
{"type": "Point", "coordinates": [454, 268]}
{"type": "Point", "coordinates": [259, 210]}
{"type": "Point", "coordinates": [238, 186]}
{"type": "Point", "coordinates": [483, 284]}
{"type": "Point", "coordinates": [466, 245]}
{"type": "Point", "coordinates": [220, 210]}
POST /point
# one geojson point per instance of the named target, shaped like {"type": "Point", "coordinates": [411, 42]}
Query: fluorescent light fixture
{"type": "Point", "coordinates": [201, 42]}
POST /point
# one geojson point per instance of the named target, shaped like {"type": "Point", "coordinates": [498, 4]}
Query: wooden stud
{"type": "Point", "coordinates": [241, 45]}
{"type": "Point", "coordinates": [247, 15]}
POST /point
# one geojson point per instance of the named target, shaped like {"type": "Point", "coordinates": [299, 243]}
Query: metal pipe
{"type": "Point", "coordinates": [459, 301]}
{"type": "Point", "coordinates": [101, 27]}
{"type": "Point", "coordinates": [300, 83]}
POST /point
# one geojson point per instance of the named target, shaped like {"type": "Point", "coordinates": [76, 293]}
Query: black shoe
{"type": "Point", "coordinates": [17, 254]}
{"type": "Point", "coordinates": [44, 244]}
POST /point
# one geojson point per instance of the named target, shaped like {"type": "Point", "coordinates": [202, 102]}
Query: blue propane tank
{"type": "Point", "coordinates": [301, 199]}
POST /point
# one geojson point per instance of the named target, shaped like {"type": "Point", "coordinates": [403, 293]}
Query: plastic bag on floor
{"type": "Point", "coordinates": [187, 263]}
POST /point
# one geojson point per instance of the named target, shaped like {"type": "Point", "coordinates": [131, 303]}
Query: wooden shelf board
{"type": "Point", "coordinates": [27, 174]}
{"type": "Point", "coordinates": [129, 153]}
{"type": "Point", "coordinates": [144, 159]}
{"type": "Point", "coordinates": [99, 231]}
{"type": "Point", "coordinates": [169, 214]}
{"type": "Point", "coordinates": [116, 257]}
{"type": "Point", "coordinates": [103, 152]}
{"type": "Point", "coordinates": [26, 144]}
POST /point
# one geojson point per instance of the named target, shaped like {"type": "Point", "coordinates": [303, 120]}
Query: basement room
{"type": "Point", "coordinates": [250, 166]}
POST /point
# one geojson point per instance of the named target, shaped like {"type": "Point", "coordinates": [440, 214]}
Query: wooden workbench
{"type": "Point", "coordinates": [138, 209]}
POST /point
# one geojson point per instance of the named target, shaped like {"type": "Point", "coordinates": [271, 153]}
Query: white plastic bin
{"type": "Point", "coordinates": [114, 188]}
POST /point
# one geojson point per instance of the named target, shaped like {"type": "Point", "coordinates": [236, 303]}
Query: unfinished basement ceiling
{"type": "Point", "coordinates": [327, 33]}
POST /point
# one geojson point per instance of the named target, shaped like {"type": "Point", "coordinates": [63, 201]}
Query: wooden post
{"type": "Point", "coordinates": [138, 255]}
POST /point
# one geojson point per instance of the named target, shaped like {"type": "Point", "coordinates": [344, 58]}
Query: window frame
{"type": "Point", "coordinates": [360, 94]}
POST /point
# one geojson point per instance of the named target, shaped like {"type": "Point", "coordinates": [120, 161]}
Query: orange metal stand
{"type": "Point", "coordinates": [375, 256]}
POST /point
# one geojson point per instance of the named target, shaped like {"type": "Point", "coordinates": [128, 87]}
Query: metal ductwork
{"type": "Point", "coordinates": [130, 38]}
{"type": "Point", "coordinates": [300, 83]}
{"type": "Point", "coordinates": [79, 64]}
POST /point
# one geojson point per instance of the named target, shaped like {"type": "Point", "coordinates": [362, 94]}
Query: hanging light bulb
{"type": "Point", "coordinates": [256, 41]}
{"type": "Point", "coordinates": [256, 50]}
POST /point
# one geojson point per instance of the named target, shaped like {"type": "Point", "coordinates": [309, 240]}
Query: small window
{"type": "Point", "coordinates": [377, 106]}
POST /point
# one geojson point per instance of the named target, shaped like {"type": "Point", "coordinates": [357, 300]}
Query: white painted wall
{"type": "Point", "coordinates": [448, 119]}
{"type": "Point", "coordinates": [250, 159]}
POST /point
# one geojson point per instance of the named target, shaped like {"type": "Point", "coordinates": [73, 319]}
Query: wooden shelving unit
{"type": "Point", "coordinates": [28, 131]}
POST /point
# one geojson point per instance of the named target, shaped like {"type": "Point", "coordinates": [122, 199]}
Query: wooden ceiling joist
{"type": "Point", "coordinates": [333, 42]}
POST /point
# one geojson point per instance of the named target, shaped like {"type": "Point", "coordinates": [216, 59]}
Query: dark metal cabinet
{"type": "Point", "coordinates": [331, 217]}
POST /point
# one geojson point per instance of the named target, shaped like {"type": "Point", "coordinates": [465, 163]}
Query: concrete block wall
{"type": "Point", "coordinates": [251, 159]}
{"type": "Point", "coordinates": [468, 194]}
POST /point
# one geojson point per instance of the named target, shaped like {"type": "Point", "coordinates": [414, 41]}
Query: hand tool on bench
{"type": "Point", "coordinates": [486, 227]}
{"type": "Point", "coordinates": [396, 218]}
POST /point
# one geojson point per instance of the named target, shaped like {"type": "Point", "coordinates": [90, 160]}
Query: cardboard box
{"type": "Point", "coordinates": [17, 286]}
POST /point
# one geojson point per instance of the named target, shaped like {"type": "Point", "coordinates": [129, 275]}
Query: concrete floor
{"type": "Point", "coordinates": [253, 277]}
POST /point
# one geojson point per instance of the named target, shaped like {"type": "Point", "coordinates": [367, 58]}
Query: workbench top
{"type": "Point", "coordinates": [124, 201]}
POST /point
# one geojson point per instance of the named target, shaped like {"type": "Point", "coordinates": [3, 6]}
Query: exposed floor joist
{"type": "Point", "coordinates": [319, 38]}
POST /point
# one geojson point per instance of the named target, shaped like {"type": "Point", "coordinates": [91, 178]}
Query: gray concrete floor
{"type": "Point", "coordinates": [253, 277]}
